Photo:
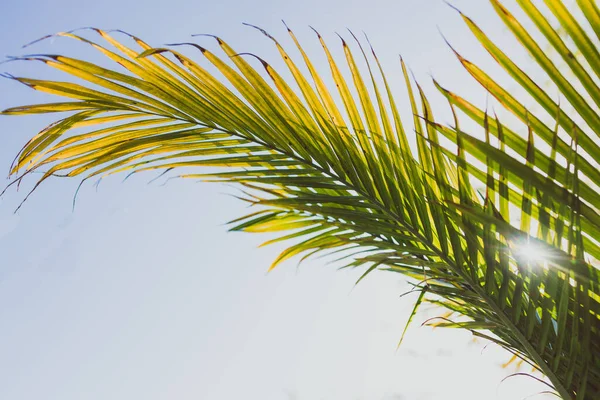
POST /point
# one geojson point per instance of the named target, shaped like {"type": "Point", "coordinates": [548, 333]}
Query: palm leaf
{"type": "Point", "coordinates": [339, 177]}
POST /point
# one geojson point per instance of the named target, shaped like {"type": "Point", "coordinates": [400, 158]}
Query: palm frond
{"type": "Point", "coordinates": [335, 174]}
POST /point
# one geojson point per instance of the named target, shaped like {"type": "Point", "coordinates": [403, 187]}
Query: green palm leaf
{"type": "Point", "coordinates": [339, 177]}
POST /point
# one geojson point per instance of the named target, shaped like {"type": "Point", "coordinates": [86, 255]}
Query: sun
{"type": "Point", "coordinates": [530, 252]}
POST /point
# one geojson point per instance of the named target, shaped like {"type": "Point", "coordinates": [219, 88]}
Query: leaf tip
{"type": "Point", "coordinates": [315, 31]}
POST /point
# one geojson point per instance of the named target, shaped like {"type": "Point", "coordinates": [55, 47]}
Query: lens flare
{"type": "Point", "coordinates": [530, 252]}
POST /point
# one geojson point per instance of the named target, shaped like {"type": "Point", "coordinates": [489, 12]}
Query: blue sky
{"type": "Point", "coordinates": [141, 292]}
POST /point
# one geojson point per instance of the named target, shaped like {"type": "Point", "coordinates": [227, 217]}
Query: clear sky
{"type": "Point", "coordinates": [141, 293]}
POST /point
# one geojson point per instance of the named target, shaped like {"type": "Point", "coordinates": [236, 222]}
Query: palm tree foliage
{"type": "Point", "coordinates": [333, 171]}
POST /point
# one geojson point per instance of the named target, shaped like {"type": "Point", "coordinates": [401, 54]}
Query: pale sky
{"type": "Point", "coordinates": [141, 293]}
